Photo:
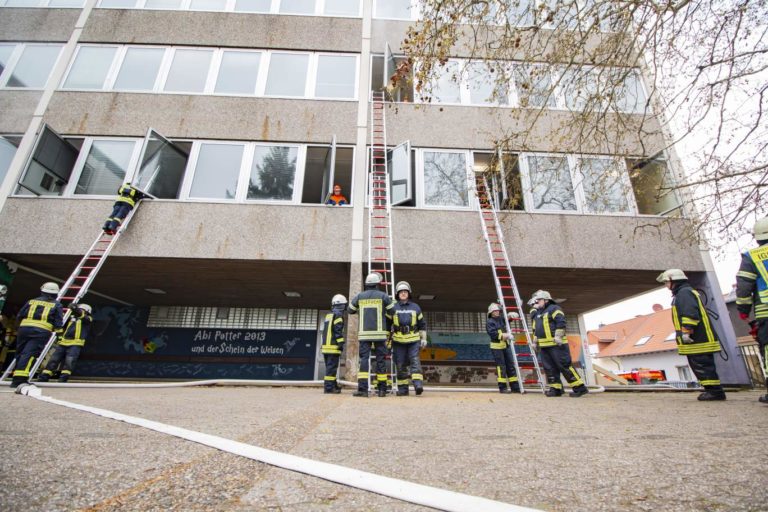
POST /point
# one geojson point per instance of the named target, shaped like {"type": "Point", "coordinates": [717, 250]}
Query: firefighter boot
{"type": "Point", "coordinates": [763, 399]}
{"type": "Point", "coordinates": [382, 389]}
{"type": "Point", "coordinates": [514, 387]}
{"type": "Point", "coordinates": [579, 391]}
{"type": "Point", "coordinates": [553, 392]}
{"type": "Point", "coordinates": [402, 391]}
{"type": "Point", "coordinates": [44, 377]}
{"type": "Point", "coordinates": [17, 381]}
{"type": "Point", "coordinates": [64, 377]}
{"type": "Point", "coordinates": [418, 387]}
{"type": "Point", "coordinates": [712, 395]}
{"type": "Point", "coordinates": [503, 389]}
{"type": "Point", "coordinates": [361, 392]}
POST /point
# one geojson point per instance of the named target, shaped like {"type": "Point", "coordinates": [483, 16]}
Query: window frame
{"type": "Point", "coordinates": [626, 183]}
{"type": "Point", "coordinates": [420, 181]}
{"type": "Point", "coordinates": [82, 157]}
{"type": "Point", "coordinates": [525, 177]}
{"type": "Point", "coordinates": [109, 79]}
{"type": "Point", "coordinates": [15, 57]}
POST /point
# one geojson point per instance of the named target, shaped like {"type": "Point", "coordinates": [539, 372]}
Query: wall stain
{"type": "Point", "coordinates": [265, 129]}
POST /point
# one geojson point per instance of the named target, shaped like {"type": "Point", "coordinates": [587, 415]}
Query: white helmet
{"type": "Point", "coordinates": [761, 229]}
{"type": "Point", "coordinates": [3, 290]}
{"type": "Point", "coordinates": [512, 315]}
{"type": "Point", "coordinates": [50, 288]}
{"type": "Point", "coordinates": [541, 294]}
{"type": "Point", "coordinates": [373, 279]}
{"type": "Point", "coordinates": [673, 274]}
{"type": "Point", "coordinates": [403, 285]}
{"type": "Point", "coordinates": [338, 300]}
{"type": "Point", "coordinates": [85, 307]}
{"type": "Point", "coordinates": [493, 307]}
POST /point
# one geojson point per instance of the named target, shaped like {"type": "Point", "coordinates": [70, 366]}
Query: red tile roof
{"type": "Point", "coordinates": [620, 338]}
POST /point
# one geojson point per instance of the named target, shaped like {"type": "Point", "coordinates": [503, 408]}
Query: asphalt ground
{"type": "Point", "coordinates": [601, 452]}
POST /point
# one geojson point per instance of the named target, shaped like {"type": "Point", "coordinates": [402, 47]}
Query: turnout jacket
{"type": "Point", "coordinates": [545, 322]}
{"type": "Point", "coordinates": [77, 330]}
{"type": "Point", "coordinates": [752, 282]}
{"type": "Point", "coordinates": [129, 195]}
{"type": "Point", "coordinates": [44, 313]}
{"type": "Point", "coordinates": [495, 328]}
{"type": "Point", "coordinates": [407, 322]}
{"type": "Point", "coordinates": [689, 315]}
{"type": "Point", "coordinates": [375, 309]}
{"type": "Point", "coordinates": [333, 332]}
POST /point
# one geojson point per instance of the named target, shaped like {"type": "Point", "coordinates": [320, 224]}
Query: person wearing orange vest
{"type": "Point", "coordinates": [337, 198]}
{"type": "Point", "coordinates": [68, 348]}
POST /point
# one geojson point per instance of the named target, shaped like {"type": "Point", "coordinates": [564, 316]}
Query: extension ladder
{"type": "Point", "coordinates": [380, 256]}
{"type": "Point", "coordinates": [78, 283]}
{"type": "Point", "coordinates": [523, 353]}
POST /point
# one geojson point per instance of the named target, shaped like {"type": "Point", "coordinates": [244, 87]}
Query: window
{"type": "Point", "coordinates": [300, 7]}
{"type": "Point", "coordinates": [51, 165]}
{"type": "Point", "coordinates": [336, 76]}
{"type": "Point", "coordinates": [90, 68]}
{"type": "Point", "coordinates": [445, 179]}
{"type": "Point", "coordinates": [297, 6]}
{"type": "Point", "coordinates": [533, 85]}
{"type": "Point", "coordinates": [342, 7]}
{"type": "Point", "coordinates": [273, 173]}
{"type": "Point", "coordinates": [238, 72]}
{"type": "Point", "coordinates": [630, 97]}
{"type": "Point", "coordinates": [550, 183]}
{"type": "Point", "coordinates": [642, 341]}
{"type": "Point", "coordinates": [8, 146]}
{"type": "Point", "coordinates": [319, 178]}
{"type": "Point", "coordinates": [383, 68]}
{"type": "Point", "coordinates": [162, 4]}
{"type": "Point", "coordinates": [189, 71]}
{"type": "Point", "coordinates": [5, 55]}
{"type": "Point", "coordinates": [445, 88]}
{"type": "Point", "coordinates": [217, 169]}
{"type": "Point", "coordinates": [684, 373]}
{"type": "Point", "coordinates": [33, 67]}
{"type": "Point", "coordinates": [485, 87]}
{"type": "Point", "coordinates": [105, 168]}
{"type": "Point", "coordinates": [604, 185]}
{"type": "Point", "coordinates": [118, 4]}
{"type": "Point", "coordinates": [252, 5]}
{"type": "Point", "coordinates": [520, 13]}
{"type": "Point", "coordinates": [581, 90]}
{"type": "Point", "coordinates": [162, 166]}
{"type": "Point", "coordinates": [394, 9]}
{"type": "Point", "coordinates": [287, 74]}
{"type": "Point", "coordinates": [652, 185]}
{"type": "Point", "coordinates": [503, 178]}
{"type": "Point", "coordinates": [400, 174]}
{"type": "Point", "coordinates": [139, 69]}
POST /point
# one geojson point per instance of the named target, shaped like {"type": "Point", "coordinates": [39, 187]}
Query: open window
{"type": "Point", "coordinates": [653, 186]}
{"type": "Point", "coordinates": [502, 171]}
{"type": "Point", "coordinates": [400, 174]}
{"type": "Point", "coordinates": [50, 167]}
{"type": "Point", "coordinates": [329, 172]}
{"type": "Point", "coordinates": [325, 167]}
{"type": "Point", "coordinates": [161, 167]}
{"type": "Point", "coordinates": [383, 68]}
{"type": "Point", "coordinates": [8, 146]}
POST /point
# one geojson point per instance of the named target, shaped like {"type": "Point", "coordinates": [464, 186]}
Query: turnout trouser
{"type": "Point", "coordinates": [380, 350]}
{"type": "Point", "coordinates": [505, 368]}
{"type": "Point", "coordinates": [703, 366]}
{"type": "Point", "coordinates": [408, 364]}
{"type": "Point", "coordinates": [66, 353]}
{"type": "Point", "coordinates": [29, 344]}
{"type": "Point", "coordinates": [557, 362]}
{"type": "Point", "coordinates": [331, 368]}
{"type": "Point", "coordinates": [119, 212]}
{"type": "Point", "coordinates": [762, 343]}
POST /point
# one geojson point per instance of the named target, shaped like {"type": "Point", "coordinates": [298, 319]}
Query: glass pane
{"type": "Point", "coordinates": [652, 185]}
{"type": "Point", "coordinates": [484, 81]}
{"type": "Point", "coordinates": [208, 5]}
{"type": "Point", "coordinates": [51, 164]}
{"type": "Point", "coordinates": [162, 167]}
{"type": "Point", "coordinates": [117, 4]}
{"type": "Point", "coordinates": [342, 7]}
{"type": "Point", "coordinates": [252, 5]}
{"type": "Point", "coordinates": [534, 86]}
{"type": "Point", "coordinates": [604, 186]}
{"type": "Point", "coordinates": [138, 71]}
{"type": "Point", "coordinates": [335, 77]}
{"type": "Point", "coordinates": [297, 6]}
{"type": "Point", "coordinates": [551, 185]}
{"type": "Point", "coordinates": [90, 68]}
{"type": "Point", "coordinates": [446, 88]}
{"type": "Point", "coordinates": [34, 66]}
{"type": "Point", "coordinates": [162, 4]}
{"type": "Point", "coordinates": [581, 90]}
{"type": "Point", "coordinates": [520, 13]}
{"type": "Point", "coordinates": [399, 167]}
{"type": "Point", "coordinates": [5, 53]}
{"type": "Point", "coordinates": [272, 172]}
{"type": "Point", "coordinates": [512, 192]}
{"type": "Point", "coordinates": [189, 71]}
{"type": "Point", "coordinates": [238, 72]}
{"type": "Point", "coordinates": [631, 96]}
{"type": "Point", "coordinates": [105, 168]}
{"type": "Point", "coordinates": [22, 3]}
{"type": "Point", "coordinates": [287, 74]}
{"type": "Point", "coordinates": [8, 146]}
{"type": "Point", "coordinates": [66, 3]}
{"type": "Point", "coordinates": [397, 9]}
{"type": "Point", "coordinates": [216, 171]}
{"type": "Point", "coordinates": [445, 179]}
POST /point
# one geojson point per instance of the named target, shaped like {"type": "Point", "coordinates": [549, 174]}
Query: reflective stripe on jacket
{"type": "Point", "coordinates": [407, 322]}
{"type": "Point", "coordinates": [545, 322]}
{"type": "Point", "coordinates": [752, 282]}
{"type": "Point", "coordinates": [688, 313]}
{"type": "Point", "coordinates": [333, 333]}
{"type": "Point", "coordinates": [128, 194]}
{"type": "Point", "coordinates": [42, 313]}
{"type": "Point", "coordinates": [495, 328]}
{"type": "Point", "coordinates": [375, 309]}
{"type": "Point", "coordinates": [76, 332]}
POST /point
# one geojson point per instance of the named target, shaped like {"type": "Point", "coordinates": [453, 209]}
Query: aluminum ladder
{"type": "Point", "coordinates": [506, 287]}
{"type": "Point", "coordinates": [79, 282]}
{"type": "Point", "coordinates": [380, 253]}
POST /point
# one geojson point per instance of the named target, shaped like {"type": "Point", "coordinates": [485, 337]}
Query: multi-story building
{"type": "Point", "coordinates": [244, 113]}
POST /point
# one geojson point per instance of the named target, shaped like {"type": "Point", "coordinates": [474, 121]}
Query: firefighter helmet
{"type": "Point", "coordinates": [673, 274]}
{"type": "Point", "coordinates": [338, 300]}
{"type": "Point", "coordinates": [373, 279]}
{"type": "Point", "coordinates": [50, 288]}
{"type": "Point", "coordinates": [403, 285]}
{"type": "Point", "coordinates": [494, 306]}
{"type": "Point", "coordinates": [541, 294]}
{"type": "Point", "coordinates": [512, 315]}
{"type": "Point", "coordinates": [761, 229]}
{"type": "Point", "coordinates": [85, 307]}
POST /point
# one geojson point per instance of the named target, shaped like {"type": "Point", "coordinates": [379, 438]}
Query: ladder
{"type": "Point", "coordinates": [523, 354]}
{"type": "Point", "coordinates": [380, 256]}
{"type": "Point", "coordinates": [78, 283]}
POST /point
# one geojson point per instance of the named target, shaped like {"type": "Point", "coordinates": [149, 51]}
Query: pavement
{"type": "Point", "coordinates": [602, 452]}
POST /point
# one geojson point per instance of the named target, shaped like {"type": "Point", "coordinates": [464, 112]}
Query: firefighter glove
{"type": "Point", "coordinates": [744, 316]}
{"type": "Point", "coordinates": [686, 338]}
{"type": "Point", "coordinates": [753, 329]}
{"type": "Point", "coordinates": [423, 335]}
{"type": "Point", "coordinates": [559, 333]}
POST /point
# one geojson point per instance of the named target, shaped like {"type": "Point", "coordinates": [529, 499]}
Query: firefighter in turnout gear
{"type": "Point", "coordinates": [38, 319]}
{"type": "Point", "coordinates": [68, 348]}
{"type": "Point", "coordinates": [548, 320]}
{"type": "Point", "coordinates": [127, 197]}
{"type": "Point", "coordinates": [8, 352]}
{"type": "Point", "coordinates": [409, 336]}
{"type": "Point", "coordinates": [333, 342]}
{"type": "Point", "coordinates": [501, 348]}
{"type": "Point", "coordinates": [375, 308]}
{"type": "Point", "coordinates": [752, 291]}
{"type": "Point", "coordinates": [696, 338]}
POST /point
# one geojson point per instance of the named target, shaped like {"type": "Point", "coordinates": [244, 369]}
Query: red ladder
{"type": "Point", "coordinates": [506, 288]}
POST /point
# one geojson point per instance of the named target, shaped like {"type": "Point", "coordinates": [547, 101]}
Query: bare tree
{"type": "Point", "coordinates": [627, 77]}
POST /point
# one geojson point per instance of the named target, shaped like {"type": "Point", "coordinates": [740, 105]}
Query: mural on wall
{"type": "Point", "coordinates": [123, 346]}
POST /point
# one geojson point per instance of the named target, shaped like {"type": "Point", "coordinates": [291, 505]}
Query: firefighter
{"type": "Point", "coordinates": [548, 321]}
{"type": "Point", "coordinates": [8, 326]}
{"type": "Point", "coordinates": [70, 345]}
{"type": "Point", "coordinates": [333, 342]}
{"type": "Point", "coordinates": [752, 291]}
{"type": "Point", "coordinates": [127, 197]}
{"type": "Point", "coordinates": [501, 348]}
{"type": "Point", "coordinates": [39, 318]}
{"type": "Point", "coordinates": [409, 336]}
{"type": "Point", "coordinates": [375, 309]}
{"type": "Point", "coordinates": [696, 339]}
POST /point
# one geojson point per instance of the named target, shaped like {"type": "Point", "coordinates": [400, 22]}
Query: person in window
{"type": "Point", "coordinates": [409, 336]}
{"type": "Point", "coordinates": [67, 350]}
{"type": "Point", "coordinates": [127, 197]}
{"type": "Point", "coordinates": [333, 342]}
{"type": "Point", "coordinates": [337, 199]}
{"type": "Point", "coordinates": [501, 348]}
